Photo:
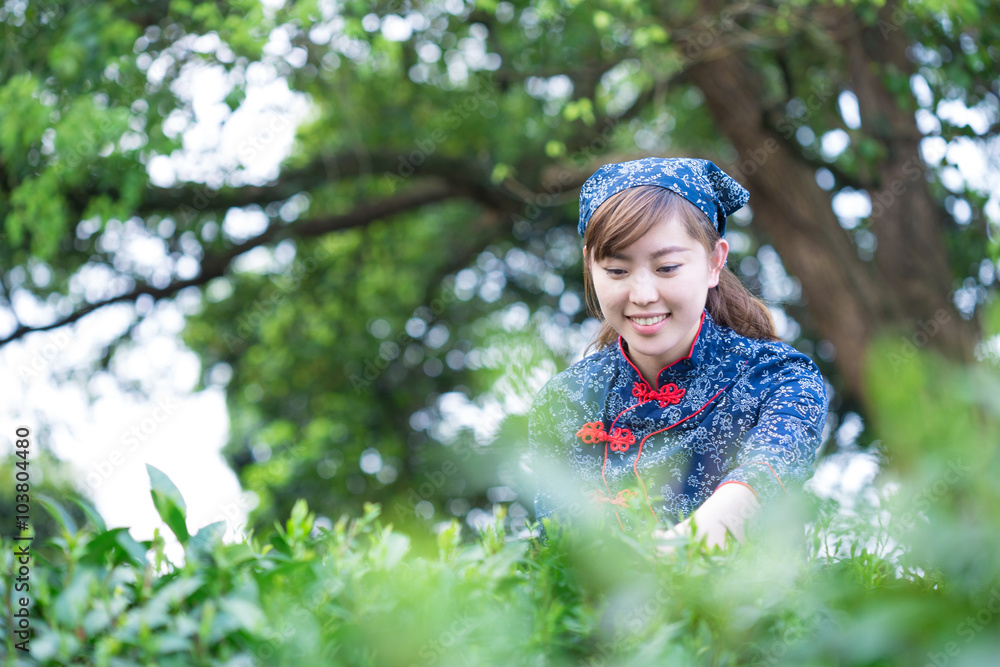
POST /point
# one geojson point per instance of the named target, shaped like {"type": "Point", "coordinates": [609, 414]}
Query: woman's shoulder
{"type": "Point", "coordinates": [765, 358]}
{"type": "Point", "coordinates": [781, 352]}
{"type": "Point", "coordinates": [590, 373]}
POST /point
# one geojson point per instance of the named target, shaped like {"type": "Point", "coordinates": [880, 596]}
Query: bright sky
{"type": "Point", "coordinates": [166, 423]}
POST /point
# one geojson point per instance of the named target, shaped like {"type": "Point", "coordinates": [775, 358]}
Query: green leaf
{"type": "Point", "coordinates": [101, 546]}
{"type": "Point", "coordinates": [396, 546]}
{"type": "Point", "coordinates": [168, 502]}
{"type": "Point", "coordinates": [449, 539]}
{"type": "Point", "coordinates": [203, 541]}
{"type": "Point", "coordinates": [246, 613]}
{"type": "Point", "coordinates": [59, 513]}
{"type": "Point", "coordinates": [300, 523]}
{"type": "Point", "coordinates": [74, 600]}
{"type": "Point", "coordinates": [135, 550]}
{"type": "Point", "coordinates": [279, 542]}
{"type": "Point", "coordinates": [165, 487]}
{"type": "Point", "coordinates": [176, 592]}
{"type": "Point", "coordinates": [95, 518]}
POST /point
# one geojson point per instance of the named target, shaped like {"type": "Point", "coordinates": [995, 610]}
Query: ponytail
{"type": "Point", "coordinates": [732, 305]}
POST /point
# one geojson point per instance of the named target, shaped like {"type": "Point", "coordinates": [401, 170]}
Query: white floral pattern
{"type": "Point", "coordinates": [701, 182]}
{"type": "Point", "coordinates": [753, 412]}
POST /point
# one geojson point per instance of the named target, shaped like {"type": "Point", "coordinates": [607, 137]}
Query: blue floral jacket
{"type": "Point", "coordinates": [735, 410]}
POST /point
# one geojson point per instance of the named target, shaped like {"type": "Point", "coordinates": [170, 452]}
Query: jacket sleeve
{"type": "Point", "coordinates": [781, 448]}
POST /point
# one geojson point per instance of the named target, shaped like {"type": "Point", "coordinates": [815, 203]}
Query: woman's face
{"type": "Point", "coordinates": [654, 291]}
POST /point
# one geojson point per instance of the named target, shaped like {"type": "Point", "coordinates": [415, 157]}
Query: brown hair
{"type": "Point", "coordinates": [625, 217]}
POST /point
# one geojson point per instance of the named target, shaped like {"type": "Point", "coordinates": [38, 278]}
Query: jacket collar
{"type": "Point", "coordinates": [707, 349]}
{"type": "Point", "coordinates": [716, 358]}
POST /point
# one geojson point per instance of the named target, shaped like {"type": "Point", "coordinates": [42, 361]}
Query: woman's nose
{"type": "Point", "coordinates": [642, 290]}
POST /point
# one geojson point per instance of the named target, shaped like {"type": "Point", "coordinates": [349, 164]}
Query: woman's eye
{"type": "Point", "coordinates": [615, 272]}
{"type": "Point", "coordinates": [669, 269]}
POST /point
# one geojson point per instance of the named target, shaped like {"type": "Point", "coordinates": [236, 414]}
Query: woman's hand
{"type": "Point", "coordinates": [726, 510]}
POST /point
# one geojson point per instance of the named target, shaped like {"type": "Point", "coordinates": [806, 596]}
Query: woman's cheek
{"type": "Point", "coordinates": [609, 300]}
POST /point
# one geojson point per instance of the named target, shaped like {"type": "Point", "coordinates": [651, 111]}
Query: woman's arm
{"type": "Point", "coordinates": [778, 452]}
{"type": "Point", "coordinates": [726, 510]}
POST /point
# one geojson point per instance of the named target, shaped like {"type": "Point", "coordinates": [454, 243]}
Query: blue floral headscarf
{"type": "Point", "coordinates": [699, 181]}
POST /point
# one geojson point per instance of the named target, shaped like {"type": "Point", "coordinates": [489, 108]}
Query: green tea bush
{"type": "Point", "coordinates": [906, 574]}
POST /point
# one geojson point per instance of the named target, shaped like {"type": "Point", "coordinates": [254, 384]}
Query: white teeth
{"type": "Point", "coordinates": [646, 321]}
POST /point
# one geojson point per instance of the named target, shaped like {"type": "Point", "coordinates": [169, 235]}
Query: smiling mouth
{"type": "Point", "coordinates": [647, 321]}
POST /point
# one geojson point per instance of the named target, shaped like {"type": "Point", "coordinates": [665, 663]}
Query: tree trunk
{"type": "Point", "coordinates": [849, 298]}
{"type": "Point", "coordinates": [909, 225]}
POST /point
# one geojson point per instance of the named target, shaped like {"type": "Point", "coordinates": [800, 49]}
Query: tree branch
{"type": "Point", "coordinates": [214, 266]}
{"type": "Point", "coordinates": [323, 170]}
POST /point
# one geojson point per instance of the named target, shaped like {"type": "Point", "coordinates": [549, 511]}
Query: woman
{"type": "Point", "coordinates": [690, 405]}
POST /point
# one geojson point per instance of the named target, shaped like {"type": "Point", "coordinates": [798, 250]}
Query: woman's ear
{"type": "Point", "coordinates": [717, 261]}
{"type": "Point", "coordinates": [584, 256]}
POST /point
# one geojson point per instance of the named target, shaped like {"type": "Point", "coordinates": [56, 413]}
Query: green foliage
{"type": "Point", "coordinates": [903, 574]}
{"type": "Point", "coordinates": [50, 478]}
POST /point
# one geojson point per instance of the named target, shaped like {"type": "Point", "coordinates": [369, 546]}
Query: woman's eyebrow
{"type": "Point", "coordinates": [669, 250]}
{"type": "Point", "coordinates": [654, 255]}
